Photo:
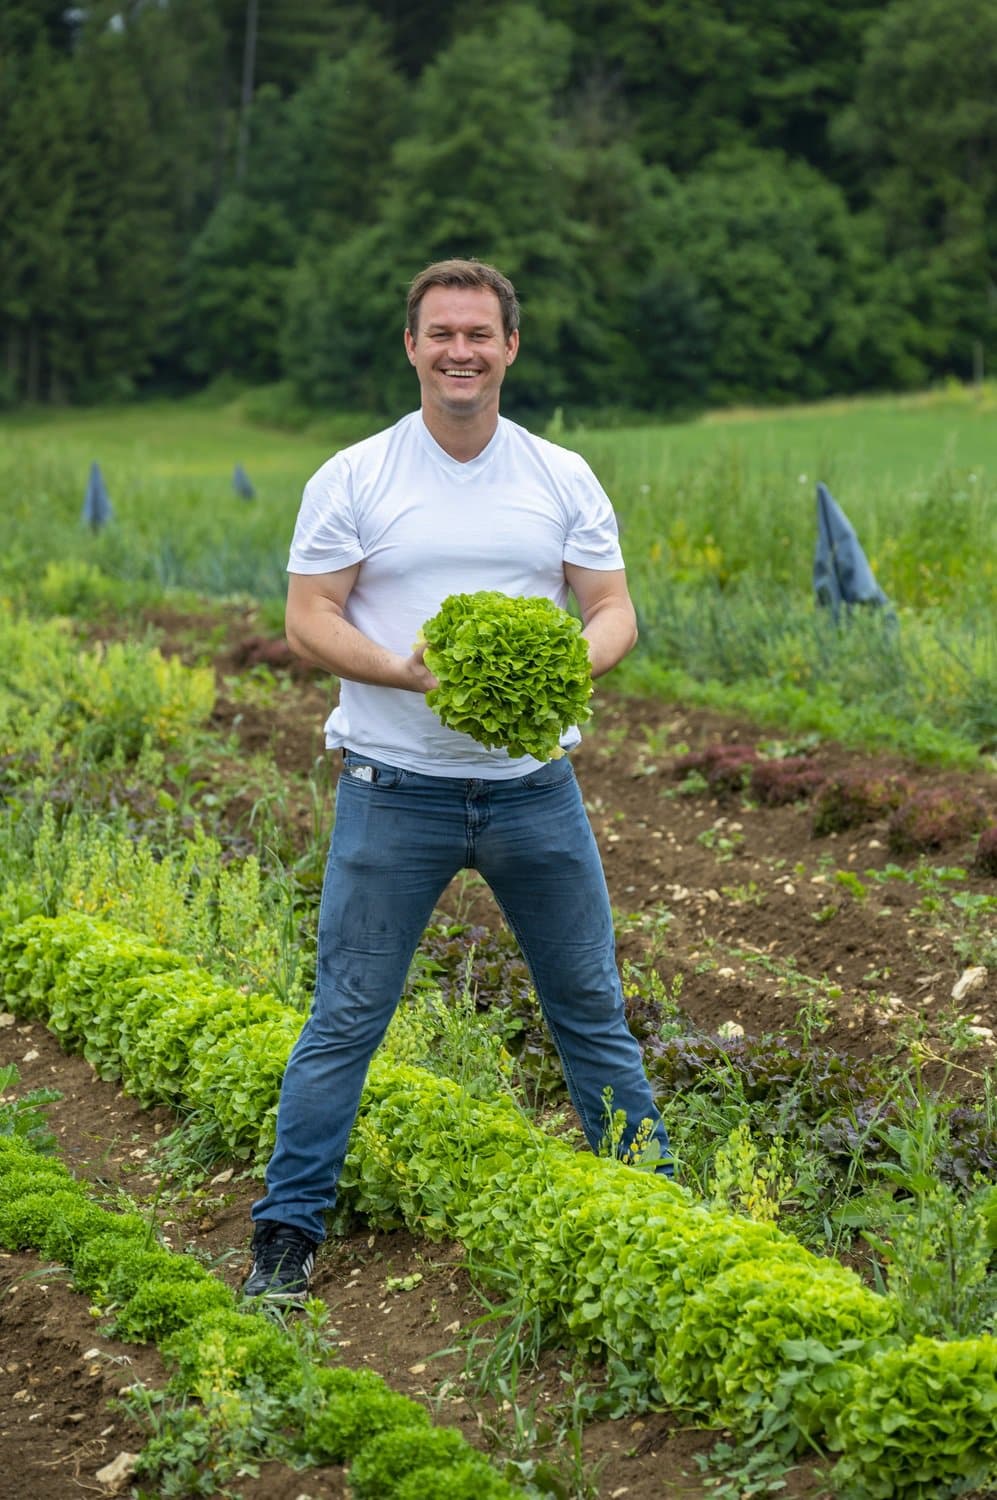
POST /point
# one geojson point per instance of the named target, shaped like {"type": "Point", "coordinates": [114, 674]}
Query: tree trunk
{"type": "Point", "coordinates": [246, 99]}
{"type": "Point", "coordinates": [33, 365]}
{"type": "Point", "coordinates": [12, 363]}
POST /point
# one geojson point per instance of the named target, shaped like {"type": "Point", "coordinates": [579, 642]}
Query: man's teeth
{"type": "Point", "coordinates": [461, 374]}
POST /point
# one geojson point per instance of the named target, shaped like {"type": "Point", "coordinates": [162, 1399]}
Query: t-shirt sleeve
{"type": "Point", "coordinates": [593, 538]}
{"type": "Point", "coordinates": [325, 534]}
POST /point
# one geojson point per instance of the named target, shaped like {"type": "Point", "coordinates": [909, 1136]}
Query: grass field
{"type": "Point", "coordinates": [718, 522]}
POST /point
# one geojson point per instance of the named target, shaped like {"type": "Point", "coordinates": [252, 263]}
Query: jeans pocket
{"type": "Point", "coordinates": [553, 773]}
{"type": "Point", "coordinates": [366, 772]}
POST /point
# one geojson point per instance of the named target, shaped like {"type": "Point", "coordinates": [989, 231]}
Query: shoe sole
{"type": "Point", "coordinates": [268, 1296]}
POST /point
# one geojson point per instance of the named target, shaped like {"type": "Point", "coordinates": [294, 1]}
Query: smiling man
{"type": "Point", "coordinates": [453, 498]}
{"type": "Point", "coordinates": [460, 343]}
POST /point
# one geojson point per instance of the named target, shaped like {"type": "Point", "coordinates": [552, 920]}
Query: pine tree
{"type": "Point", "coordinates": [41, 123]}
{"type": "Point", "coordinates": [123, 293]}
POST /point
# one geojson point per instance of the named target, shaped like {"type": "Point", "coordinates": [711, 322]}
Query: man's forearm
{"type": "Point", "coordinates": [611, 632]}
{"type": "Point", "coordinates": [325, 639]}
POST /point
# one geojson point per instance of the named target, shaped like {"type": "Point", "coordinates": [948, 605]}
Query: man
{"type": "Point", "coordinates": [452, 499]}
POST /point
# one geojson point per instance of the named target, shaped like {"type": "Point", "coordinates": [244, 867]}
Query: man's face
{"type": "Point", "coordinates": [460, 351]}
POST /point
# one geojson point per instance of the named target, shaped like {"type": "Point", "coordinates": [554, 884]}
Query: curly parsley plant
{"type": "Point", "coordinates": [513, 673]}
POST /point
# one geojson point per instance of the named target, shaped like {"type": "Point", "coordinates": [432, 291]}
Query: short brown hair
{"type": "Point", "coordinates": [466, 273]}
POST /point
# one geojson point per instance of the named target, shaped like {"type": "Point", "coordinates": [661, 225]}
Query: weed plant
{"type": "Point", "coordinates": [58, 699]}
{"type": "Point", "coordinates": [23, 1115]}
{"type": "Point", "coordinates": [932, 1236]}
{"type": "Point", "coordinates": [444, 1034]}
{"type": "Point", "coordinates": [539, 1435]}
{"type": "Point", "coordinates": [180, 891]}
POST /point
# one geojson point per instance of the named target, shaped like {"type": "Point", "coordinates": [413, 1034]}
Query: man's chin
{"type": "Point", "coordinates": [463, 403]}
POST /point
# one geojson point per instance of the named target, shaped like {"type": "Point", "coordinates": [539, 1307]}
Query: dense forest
{"type": "Point", "coordinates": [699, 200]}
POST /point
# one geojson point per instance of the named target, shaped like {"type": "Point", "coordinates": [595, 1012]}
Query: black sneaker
{"type": "Point", "coordinates": [283, 1259]}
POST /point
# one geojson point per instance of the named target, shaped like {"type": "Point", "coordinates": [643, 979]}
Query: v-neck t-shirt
{"type": "Point", "coordinates": [423, 526]}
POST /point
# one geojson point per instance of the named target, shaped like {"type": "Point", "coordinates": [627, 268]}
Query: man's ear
{"type": "Point", "coordinates": [512, 346]}
{"type": "Point", "coordinates": [410, 347]}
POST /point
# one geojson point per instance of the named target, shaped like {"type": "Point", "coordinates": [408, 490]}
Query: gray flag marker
{"type": "Point", "coordinates": [97, 508]}
{"type": "Point", "coordinates": [842, 574]}
{"type": "Point", "coordinates": [242, 484]}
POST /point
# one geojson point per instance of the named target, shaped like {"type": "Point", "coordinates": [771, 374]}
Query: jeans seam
{"type": "Point", "coordinates": [551, 1025]}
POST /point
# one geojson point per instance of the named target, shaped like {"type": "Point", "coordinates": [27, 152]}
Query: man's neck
{"type": "Point", "coordinates": [462, 439]}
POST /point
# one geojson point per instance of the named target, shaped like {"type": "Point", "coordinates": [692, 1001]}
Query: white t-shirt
{"type": "Point", "coordinates": [424, 526]}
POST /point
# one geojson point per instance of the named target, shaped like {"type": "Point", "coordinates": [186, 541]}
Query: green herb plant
{"type": "Point", "coordinates": [23, 1115]}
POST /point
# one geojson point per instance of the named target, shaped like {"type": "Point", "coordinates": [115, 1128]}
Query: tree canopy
{"type": "Point", "coordinates": [742, 199]}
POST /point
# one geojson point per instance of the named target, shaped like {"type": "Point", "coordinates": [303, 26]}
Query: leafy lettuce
{"type": "Point", "coordinates": [513, 673]}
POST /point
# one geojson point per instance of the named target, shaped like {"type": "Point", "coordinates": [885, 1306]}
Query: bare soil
{"type": "Point", "coordinates": [739, 901]}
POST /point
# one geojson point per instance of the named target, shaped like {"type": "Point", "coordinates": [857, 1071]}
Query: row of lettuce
{"type": "Point", "coordinates": [226, 1358]}
{"type": "Point", "coordinates": [727, 1318]}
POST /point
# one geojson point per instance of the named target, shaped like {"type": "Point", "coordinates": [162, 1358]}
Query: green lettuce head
{"type": "Point", "coordinates": [513, 673]}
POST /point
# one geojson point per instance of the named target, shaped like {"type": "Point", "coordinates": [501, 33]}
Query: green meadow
{"type": "Point", "coordinates": [718, 521]}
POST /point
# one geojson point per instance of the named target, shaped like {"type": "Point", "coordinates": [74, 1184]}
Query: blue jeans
{"type": "Point", "coordinates": [399, 839]}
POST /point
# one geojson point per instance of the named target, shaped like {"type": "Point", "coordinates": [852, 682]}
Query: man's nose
{"type": "Point", "coordinates": [460, 346]}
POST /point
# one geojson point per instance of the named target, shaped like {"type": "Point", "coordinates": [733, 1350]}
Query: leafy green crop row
{"type": "Point", "coordinates": [170, 1031]}
{"type": "Point", "coordinates": [224, 1355]}
{"type": "Point", "coordinates": [724, 1316]}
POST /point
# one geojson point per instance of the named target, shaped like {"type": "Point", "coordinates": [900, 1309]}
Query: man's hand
{"type": "Point", "coordinates": [422, 679]}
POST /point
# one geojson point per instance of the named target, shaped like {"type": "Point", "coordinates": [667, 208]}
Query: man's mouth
{"type": "Point", "coordinates": [461, 374]}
